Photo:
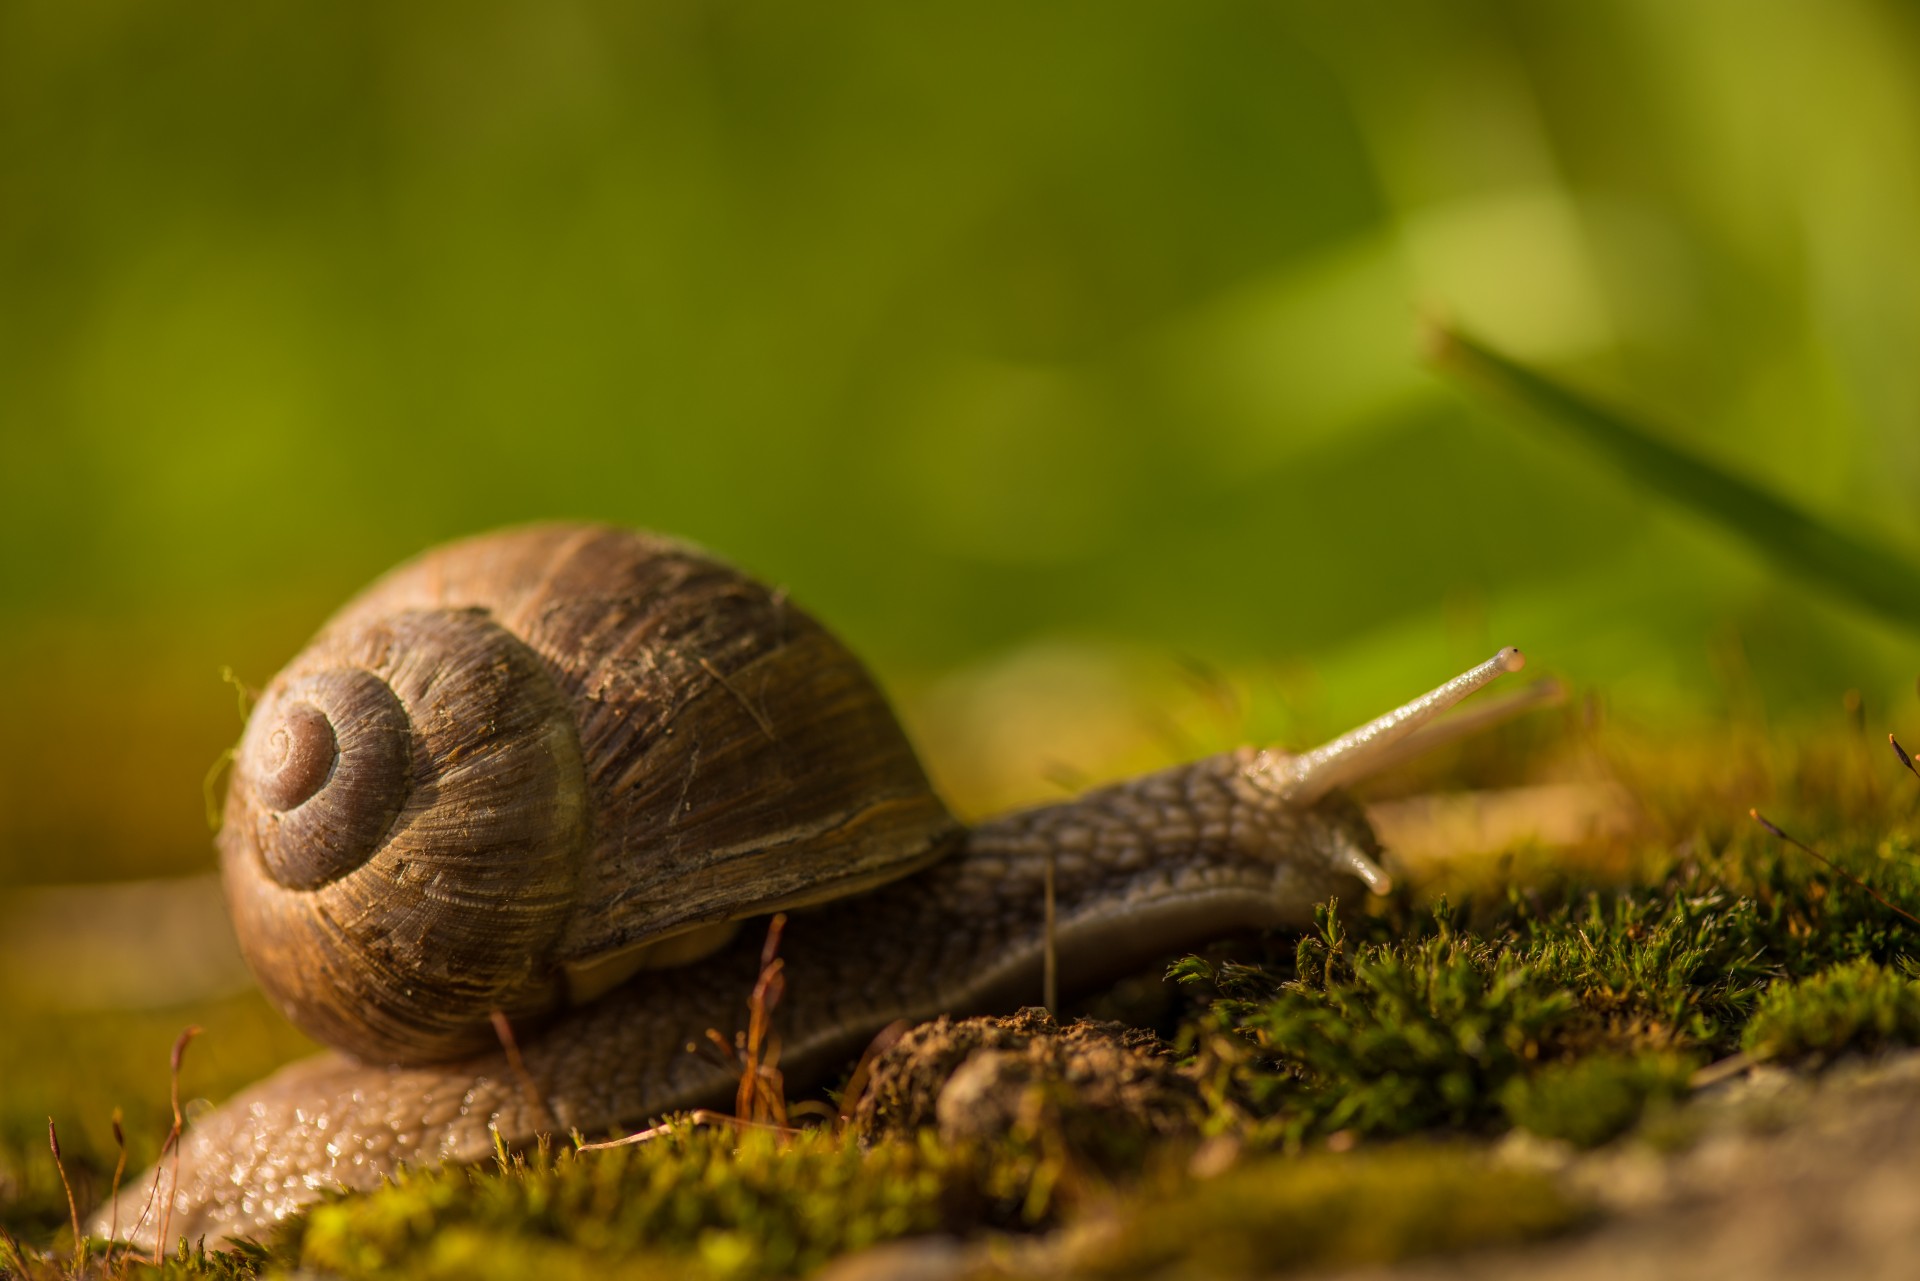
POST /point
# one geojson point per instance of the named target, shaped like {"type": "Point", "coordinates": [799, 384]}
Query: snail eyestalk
{"type": "Point", "coordinates": [1377, 879]}
{"type": "Point", "coordinates": [1305, 778]}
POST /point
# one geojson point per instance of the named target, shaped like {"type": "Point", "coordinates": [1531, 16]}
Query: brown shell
{"type": "Point", "coordinates": [610, 738]}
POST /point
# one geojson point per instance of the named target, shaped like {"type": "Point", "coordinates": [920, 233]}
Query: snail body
{"type": "Point", "coordinates": [632, 747]}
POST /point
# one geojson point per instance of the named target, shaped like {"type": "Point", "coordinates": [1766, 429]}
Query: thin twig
{"type": "Point", "coordinates": [699, 1116]}
{"type": "Point", "coordinates": [754, 1053]}
{"type": "Point", "coordinates": [542, 1116]}
{"type": "Point", "coordinates": [760, 1079]}
{"type": "Point", "coordinates": [73, 1211]}
{"type": "Point", "coordinates": [1802, 846]}
{"type": "Point", "coordinates": [146, 1208]}
{"type": "Point", "coordinates": [819, 1108]}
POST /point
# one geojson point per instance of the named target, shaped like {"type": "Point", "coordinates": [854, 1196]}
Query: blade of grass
{"type": "Point", "coordinates": [1867, 573]}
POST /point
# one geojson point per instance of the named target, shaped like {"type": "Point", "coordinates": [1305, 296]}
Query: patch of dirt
{"type": "Point", "coordinates": [1100, 1085]}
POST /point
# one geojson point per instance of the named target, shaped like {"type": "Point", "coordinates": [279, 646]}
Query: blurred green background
{"type": "Point", "coordinates": [1050, 352]}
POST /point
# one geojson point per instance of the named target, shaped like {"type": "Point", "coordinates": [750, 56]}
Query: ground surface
{"type": "Point", "coordinates": [1769, 1175]}
{"type": "Point", "coordinates": [1782, 1178]}
{"type": "Point", "coordinates": [1672, 1045]}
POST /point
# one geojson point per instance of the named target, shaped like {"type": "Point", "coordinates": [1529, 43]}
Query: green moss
{"type": "Point", "coordinates": [1857, 1005]}
{"type": "Point", "coordinates": [1401, 1021]}
{"type": "Point", "coordinates": [706, 1203]}
{"type": "Point", "coordinates": [1390, 1038]}
{"type": "Point", "coordinates": [189, 1263]}
{"type": "Point", "coordinates": [1571, 998]}
{"type": "Point", "coordinates": [1328, 1210]}
{"type": "Point", "coordinates": [1589, 1100]}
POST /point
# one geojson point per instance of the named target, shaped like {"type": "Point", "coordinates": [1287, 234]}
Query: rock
{"type": "Point", "coordinates": [1775, 1176]}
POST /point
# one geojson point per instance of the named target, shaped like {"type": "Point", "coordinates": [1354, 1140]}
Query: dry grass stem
{"type": "Point", "coordinates": [699, 1116]}
{"type": "Point", "coordinates": [761, 1097]}
{"type": "Point", "coordinates": [172, 1145]}
{"type": "Point", "coordinates": [113, 1196]}
{"type": "Point", "coordinates": [73, 1210]}
{"type": "Point", "coordinates": [503, 1029]}
{"type": "Point", "coordinates": [863, 1070]}
{"type": "Point", "coordinates": [1804, 848]}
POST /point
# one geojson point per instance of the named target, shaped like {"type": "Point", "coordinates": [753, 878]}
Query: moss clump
{"type": "Point", "coordinates": [190, 1262]}
{"type": "Point", "coordinates": [706, 1203]}
{"type": "Point", "coordinates": [1389, 1038]}
{"type": "Point", "coordinates": [1327, 1210]}
{"type": "Point", "coordinates": [1570, 1000]}
{"type": "Point", "coordinates": [1397, 1021]}
{"type": "Point", "coordinates": [1857, 1005]}
{"type": "Point", "coordinates": [1589, 1100]}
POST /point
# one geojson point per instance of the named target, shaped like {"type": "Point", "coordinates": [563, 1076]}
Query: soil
{"type": "Point", "coordinates": [980, 1078]}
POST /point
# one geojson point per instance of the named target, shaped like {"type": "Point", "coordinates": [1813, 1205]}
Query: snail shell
{"type": "Point", "coordinates": [522, 767]}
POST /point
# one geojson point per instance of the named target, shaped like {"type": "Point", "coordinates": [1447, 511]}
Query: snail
{"type": "Point", "coordinates": [548, 772]}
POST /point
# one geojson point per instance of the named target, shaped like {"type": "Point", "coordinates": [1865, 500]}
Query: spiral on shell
{"type": "Point", "coordinates": [516, 769]}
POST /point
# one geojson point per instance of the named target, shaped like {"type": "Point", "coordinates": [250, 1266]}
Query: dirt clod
{"type": "Point", "coordinates": [979, 1078]}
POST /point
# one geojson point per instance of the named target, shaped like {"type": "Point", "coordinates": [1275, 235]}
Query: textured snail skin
{"type": "Point", "coordinates": [1142, 868]}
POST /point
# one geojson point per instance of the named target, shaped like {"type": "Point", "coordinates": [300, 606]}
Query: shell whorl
{"type": "Point", "coordinates": [536, 754]}
{"type": "Point", "coordinates": [331, 764]}
{"type": "Point", "coordinates": [421, 882]}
